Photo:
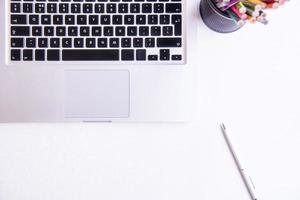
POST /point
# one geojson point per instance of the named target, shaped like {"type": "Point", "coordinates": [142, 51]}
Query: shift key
{"type": "Point", "coordinates": [169, 42]}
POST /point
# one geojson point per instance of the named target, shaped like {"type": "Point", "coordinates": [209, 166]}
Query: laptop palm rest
{"type": "Point", "coordinates": [97, 94]}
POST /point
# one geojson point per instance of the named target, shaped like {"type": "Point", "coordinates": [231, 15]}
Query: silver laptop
{"type": "Point", "coordinates": [97, 60]}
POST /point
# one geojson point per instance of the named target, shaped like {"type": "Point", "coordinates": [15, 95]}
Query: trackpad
{"type": "Point", "coordinates": [97, 94]}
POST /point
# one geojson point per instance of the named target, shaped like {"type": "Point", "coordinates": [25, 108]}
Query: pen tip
{"type": "Point", "coordinates": [223, 126]}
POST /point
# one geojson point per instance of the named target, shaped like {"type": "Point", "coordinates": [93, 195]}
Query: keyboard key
{"type": "Point", "coordinates": [173, 8]}
{"type": "Point", "coordinates": [27, 55]}
{"type": "Point", "coordinates": [39, 55]}
{"type": "Point", "coordinates": [176, 57]}
{"type": "Point", "coordinates": [141, 54]}
{"type": "Point", "coordinates": [78, 42]}
{"type": "Point", "coordinates": [152, 57]}
{"type": "Point", "coordinates": [20, 31]}
{"type": "Point", "coordinates": [169, 42]}
{"type": "Point", "coordinates": [90, 55]}
{"type": "Point", "coordinates": [53, 55]}
{"type": "Point", "coordinates": [18, 19]}
{"type": "Point", "coordinates": [177, 22]}
{"type": "Point", "coordinates": [15, 54]}
{"type": "Point", "coordinates": [127, 55]}
{"type": "Point", "coordinates": [30, 42]}
{"type": "Point", "coordinates": [17, 42]}
{"type": "Point", "coordinates": [164, 54]}
{"type": "Point", "coordinates": [15, 7]}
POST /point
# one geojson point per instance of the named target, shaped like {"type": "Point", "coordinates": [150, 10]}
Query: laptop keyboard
{"type": "Point", "coordinates": [96, 30]}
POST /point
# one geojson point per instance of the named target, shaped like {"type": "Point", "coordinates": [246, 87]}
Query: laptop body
{"type": "Point", "coordinates": [97, 60]}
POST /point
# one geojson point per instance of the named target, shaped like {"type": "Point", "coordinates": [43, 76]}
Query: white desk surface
{"type": "Point", "coordinates": [256, 93]}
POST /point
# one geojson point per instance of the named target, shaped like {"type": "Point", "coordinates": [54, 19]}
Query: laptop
{"type": "Point", "coordinates": [97, 60]}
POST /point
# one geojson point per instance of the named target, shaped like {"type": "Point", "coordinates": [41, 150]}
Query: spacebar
{"type": "Point", "coordinates": [90, 55]}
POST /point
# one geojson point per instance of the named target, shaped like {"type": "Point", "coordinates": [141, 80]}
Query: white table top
{"type": "Point", "coordinates": [252, 86]}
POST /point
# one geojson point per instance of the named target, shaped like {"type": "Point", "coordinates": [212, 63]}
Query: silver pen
{"type": "Point", "coordinates": [246, 178]}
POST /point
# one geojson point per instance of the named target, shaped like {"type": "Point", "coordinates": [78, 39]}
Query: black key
{"type": "Point", "coordinates": [150, 42]}
{"type": "Point", "coordinates": [67, 42]}
{"type": "Point", "coordinates": [15, 7]}
{"type": "Point", "coordinates": [129, 19]}
{"type": "Point", "coordinates": [17, 42]}
{"type": "Point", "coordinates": [40, 8]}
{"type": "Point", "coordinates": [69, 19]}
{"type": "Point", "coordinates": [51, 8]}
{"type": "Point", "coordinates": [15, 55]}
{"type": "Point", "coordinates": [78, 42]}
{"type": "Point", "coordinates": [87, 8]}
{"type": "Point", "coordinates": [27, 55]}
{"type": "Point", "coordinates": [173, 8]}
{"type": "Point", "coordinates": [146, 8]}
{"type": "Point", "coordinates": [54, 42]}
{"type": "Point", "coordinates": [114, 42]}
{"type": "Point", "coordinates": [169, 42]}
{"type": "Point", "coordinates": [105, 19]}
{"type": "Point", "coordinates": [53, 55]}
{"type": "Point", "coordinates": [18, 19]}
{"type": "Point", "coordinates": [164, 19]}
{"type": "Point", "coordinates": [123, 8]}
{"type": "Point", "coordinates": [81, 19]}
{"type": "Point", "coordinates": [177, 22]}
{"type": "Point", "coordinates": [120, 31]}
{"type": "Point", "coordinates": [64, 8]}
{"type": "Point", "coordinates": [36, 31]}
{"type": "Point", "coordinates": [20, 31]}
{"type": "Point", "coordinates": [43, 42]}
{"type": "Point", "coordinates": [30, 42]}
{"type": "Point", "coordinates": [75, 8]}
{"type": "Point", "coordinates": [85, 31]}
{"type": "Point", "coordinates": [90, 42]}
{"type": "Point", "coordinates": [167, 31]}
{"type": "Point", "coordinates": [176, 57]}
{"type": "Point", "coordinates": [34, 19]}
{"type": "Point", "coordinates": [141, 19]}
{"type": "Point", "coordinates": [141, 54]}
{"type": "Point", "coordinates": [72, 31]}
{"type": "Point", "coordinates": [111, 8]}
{"type": "Point", "coordinates": [108, 31]}
{"type": "Point", "coordinates": [126, 42]}
{"type": "Point", "coordinates": [99, 8]}
{"type": "Point", "coordinates": [131, 31]}
{"type": "Point", "coordinates": [158, 8]}
{"type": "Point", "coordinates": [138, 42]}
{"type": "Point", "coordinates": [164, 54]}
{"type": "Point", "coordinates": [90, 55]}
{"type": "Point", "coordinates": [155, 30]}
{"type": "Point", "coordinates": [127, 54]}
{"type": "Point", "coordinates": [102, 42]}
{"type": "Point", "coordinates": [96, 31]}
{"type": "Point", "coordinates": [57, 19]}
{"type": "Point", "coordinates": [152, 19]}
{"type": "Point", "coordinates": [49, 31]}
{"type": "Point", "coordinates": [152, 57]}
{"type": "Point", "coordinates": [27, 7]}
{"type": "Point", "coordinates": [60, 31]}
{"type": "Point", "coordinates": [143, 31]}
{"type": "Point", "coordinates": [135, 8]}
{"type": "Point", "coordinates": [117, 19]}
{"type": "Point", "coordinates": [93, 19]}
{"type": "Point", "coordinates": [39, 55]}
{"type": "Point", "coordinates": [46, 19]}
